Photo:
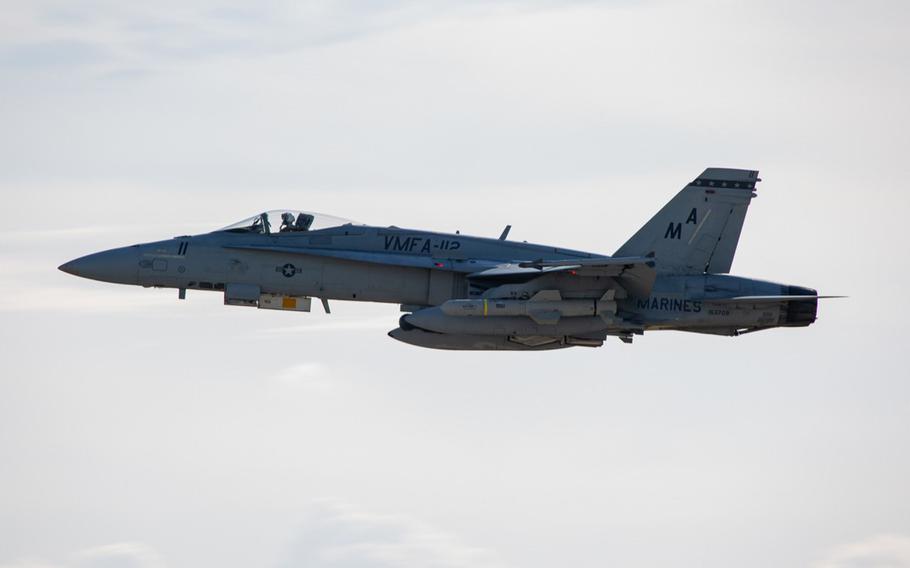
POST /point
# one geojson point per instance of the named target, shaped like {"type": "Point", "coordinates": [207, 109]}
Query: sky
{"type": "Point", "coordinates": [140, 431]}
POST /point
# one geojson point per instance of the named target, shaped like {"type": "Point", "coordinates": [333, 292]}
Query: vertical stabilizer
{"type": "Point", "coordinates": [698, 230]}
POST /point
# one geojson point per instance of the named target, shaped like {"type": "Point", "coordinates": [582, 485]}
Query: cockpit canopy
{"type": "Point", "coordinates": [280, 221]}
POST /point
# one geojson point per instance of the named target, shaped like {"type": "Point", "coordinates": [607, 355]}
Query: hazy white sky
{"type": "Point", "coordinates": [141, 432]}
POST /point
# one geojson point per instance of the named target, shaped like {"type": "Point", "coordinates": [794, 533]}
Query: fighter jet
{"type": "Point", "coordinates": [474, 293]}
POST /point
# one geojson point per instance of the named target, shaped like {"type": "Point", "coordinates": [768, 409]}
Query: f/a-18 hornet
{"type": "Point", "coordinates": [464, 292]}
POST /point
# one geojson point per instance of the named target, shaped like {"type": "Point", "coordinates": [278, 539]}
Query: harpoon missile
{"type": "Point", "coordinates": [545, 307]}
{"type": "Point", "coordinates": [545, 314]}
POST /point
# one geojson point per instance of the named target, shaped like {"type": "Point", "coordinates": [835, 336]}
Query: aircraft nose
{"type": "Point", "coordinates": [68, 267]}
{"type": "Point", "coordinates": [120, 266]}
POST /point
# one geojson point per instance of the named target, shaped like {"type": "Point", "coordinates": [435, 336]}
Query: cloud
{"type": "Point", "coordinates": [881, 551]}
{"type": "Point", "coordinates": [54, 53]}
{"type": "Point", "coordinates": [310, 376]}
{"type": "Point", "coordinates": [132, 39]}
{"type": "Point", "coordinates": [115, 555]}
{"type": "Point", "coordinates": [369, 324]}
{"type": "Point", "coordinates": [88, 230]}
{"type": "Point", "coordinates": [58, 299]}
{"type": "Point", "coordinates": [30, 563]}
{"type": "Point", "coordinates": [120, 555]}
{"type": "Point", "coordinates": [339, 536]}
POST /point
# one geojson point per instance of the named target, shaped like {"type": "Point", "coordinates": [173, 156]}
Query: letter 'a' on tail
{"type": "Point", "coordinates": [698, 230]}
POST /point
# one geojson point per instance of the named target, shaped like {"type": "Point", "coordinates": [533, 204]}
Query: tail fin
{"type": "Point", "coordinates": [698, 230]}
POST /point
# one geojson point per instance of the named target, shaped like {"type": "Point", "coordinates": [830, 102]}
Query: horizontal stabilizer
{"type": "Point", "coordinates": [764, 299]}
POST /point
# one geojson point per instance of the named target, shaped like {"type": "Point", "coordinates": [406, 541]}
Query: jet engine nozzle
{"type": "Point", "coordinates": [801, 313]}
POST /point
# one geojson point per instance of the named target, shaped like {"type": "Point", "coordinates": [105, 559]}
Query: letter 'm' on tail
{"type": "Point", "coordinates": [698, 230]}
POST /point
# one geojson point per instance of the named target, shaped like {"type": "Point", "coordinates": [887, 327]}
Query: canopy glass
{"type": "Point", "coordinates": [286, 221]}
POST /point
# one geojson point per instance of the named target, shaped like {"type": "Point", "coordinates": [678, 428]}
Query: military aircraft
{"type": "Point", "coordinates": [473, 293]}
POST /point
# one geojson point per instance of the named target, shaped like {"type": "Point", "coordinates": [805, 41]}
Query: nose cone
{"type": "Point", "coordinates": [120, 266]}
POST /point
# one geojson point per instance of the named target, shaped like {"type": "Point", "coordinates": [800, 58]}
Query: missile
{"type": "Point", "coordinates": [433, 319]}
{"type": "Point", "coordinates": [432, 340]}
{"type": "Point", "coordinates": [544, 314]}
{"type": "Point", "coordinates": [545, 307]}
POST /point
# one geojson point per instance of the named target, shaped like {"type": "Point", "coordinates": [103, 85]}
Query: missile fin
{"type": "Point", "coordinates": [547, 296]}
{"type": "Point", "coordinates": [544, 317]}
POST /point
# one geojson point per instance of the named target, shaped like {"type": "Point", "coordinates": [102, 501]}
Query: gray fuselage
{"type": "Point", "coordinates": [419, 269]}
{"type": "Point", "coordinates": [462, 292]}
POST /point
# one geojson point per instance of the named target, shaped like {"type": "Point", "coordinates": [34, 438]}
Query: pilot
{"type": "Point", "coordinates": [287, 222]}
{"type": "Point", "coordinates": [304, 220]}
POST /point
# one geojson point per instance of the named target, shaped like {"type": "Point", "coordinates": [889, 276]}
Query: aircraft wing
{"type": "Point", "coordinates": [635, 274]}
{"type": "Point", "coordinates": [594, 263]}
{"type": "Point", "coordinates": [414, 261]}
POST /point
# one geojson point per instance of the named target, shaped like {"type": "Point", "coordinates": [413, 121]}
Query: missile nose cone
{"type": "Point", "coordinates": [120, 266]}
